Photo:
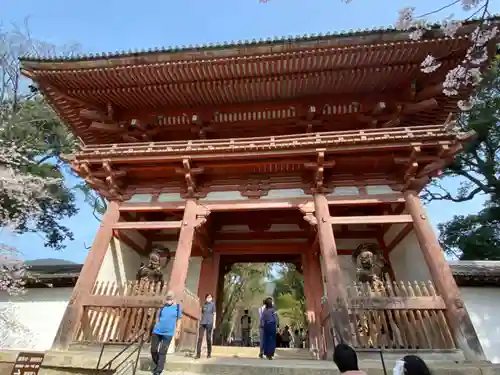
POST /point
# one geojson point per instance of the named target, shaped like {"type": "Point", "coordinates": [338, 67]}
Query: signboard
{"type": "Point", "coordinates": [28, 363]}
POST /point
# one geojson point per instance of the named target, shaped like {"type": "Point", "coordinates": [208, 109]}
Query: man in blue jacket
{"type": "Point", "coordinates": [164, 331]}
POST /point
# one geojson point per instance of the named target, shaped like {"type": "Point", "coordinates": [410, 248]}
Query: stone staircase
{"type": "Point", "coordinates": [244, 361]}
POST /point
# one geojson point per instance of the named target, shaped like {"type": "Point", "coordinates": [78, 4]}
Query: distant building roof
{"type": "Point", "coordinates": [51, 272]}
{"type": "Point", "coordinates": [476, 272]}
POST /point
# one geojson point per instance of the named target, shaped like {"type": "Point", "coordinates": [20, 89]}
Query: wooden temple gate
{"type": "Point", "coordinates": [209, 134]}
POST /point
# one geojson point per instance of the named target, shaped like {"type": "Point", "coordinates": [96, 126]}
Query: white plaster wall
{"type": "Point", "coordinates": [194, 268]}
{"type": "Point", "coordinates": [408, 262]}
{"type": "Point", "coordinates": [483, 304]}
{"type": "Point", "coordinates": [37, 313]}
{"type": "Point", "coordinates": [121, 262]}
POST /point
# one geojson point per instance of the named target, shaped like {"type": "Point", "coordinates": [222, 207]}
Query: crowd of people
{"type": "Point", "coordinates": [344, 356]}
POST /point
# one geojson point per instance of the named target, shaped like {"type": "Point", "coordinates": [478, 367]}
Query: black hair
{"type": "Point", "coordinates": [296, 331]}
{"type": "Point", "coordinates": [268, 303]}
{"type": "Point", "coordinates": [414, 365]}
{"type": "Point", "coordinates": [345, 358]}
{"type": "Point", "coordinates": [208, 295]}
{"type": "Point", "coordinates": [246, 311]}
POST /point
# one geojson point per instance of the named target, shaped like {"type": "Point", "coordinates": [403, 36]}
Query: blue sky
{"type": "Point", "coordinates": [111, 25]}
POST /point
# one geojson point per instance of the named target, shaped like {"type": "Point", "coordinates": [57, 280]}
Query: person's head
{"type": "Point", "coordinates": [246, 311]}
{"type": "Point", "coordinates": [345, 358]}
{"type": "Point", "coordinates": [411, 365]}
{"type": "Point", "coordinates": [169, 298]}
{"type": "Point", "coordinates": [208, 297]}
{"type": "Point", "coordinates": [296, 331]}
{"type": "Point", "coordinates": [264, 302]}
{"type": "Point", "coordinates": [268, 303]}
{"type": "Point", "coordinates": [302, 330]}
{"type": "Point", "coordinates": [287, 328]}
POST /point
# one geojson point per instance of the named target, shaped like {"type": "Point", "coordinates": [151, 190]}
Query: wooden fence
{"type": "Point", "coordinates": [117, 313]}
{"type": "Point", "coordinates": [398, 315]}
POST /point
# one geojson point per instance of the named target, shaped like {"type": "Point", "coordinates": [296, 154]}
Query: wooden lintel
{"type": "Point", "coordinates": [397, 303]}
{"type": "Point", "coordinates": [378, 219]}
{"type": "Point", "coordinates": [147, 225]}
{"type": "Point", "coordinates": [152, 206]}
{"type": "Point", "coordinates": [263, 204]}
{"type": "Point", "coordinates": [123, 301]}
{"type": "Point", "coordinates": [128, 241]}
{"type": "Point", "coordinates": [285, 248]}
{"type": "Point", "coordinates": [400, 237]}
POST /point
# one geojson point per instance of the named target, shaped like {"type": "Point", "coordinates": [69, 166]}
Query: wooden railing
{"type": "Point", "coordinates": [399, 315]}
{"type": "Point", "coordinates": [119, 312]}
{"type": "Point", "coordinates": [270, 142]}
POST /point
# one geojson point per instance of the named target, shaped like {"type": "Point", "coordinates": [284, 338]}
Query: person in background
{"type": "Point", "coordinates": [302, 338]}
{"type": "Point", "coordinates": [163, 332]}
{"type": "Point", "coordinates": [297, 339]}
{"type": "Point", "coordinates": [246, 324]}
{"type": "Point", "coordinates": [346, 360]}
{"type": "Point", "coordinates": [279, 340]}
{"type": "Point", "coordinates": [286, 337]}
{"type": "Point", "coordinates": [411, 365]}
{"type": "Point", "coordinates": [261, 331]}
{"type": "Point", "coordinates": [269, 323]}
{"type": "Point", "coordinates": [206, 325]}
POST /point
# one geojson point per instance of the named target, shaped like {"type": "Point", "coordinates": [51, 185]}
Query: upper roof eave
{"type": "Point", "coordinates": [228, 49]}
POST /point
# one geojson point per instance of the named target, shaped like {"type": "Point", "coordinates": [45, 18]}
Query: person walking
{"type": "Point", "coordinates": [163, 332]}
{"type": "Point", "coordinates": [286, 337]}
{"type": "Point", "coordinates": [269, 323]}
{"type": "Point", "coordinates": [261, 331]}
{"type": "Point", "coordinates": [206, 325]}
{"type": "Point", "coordinates": [246, 324]}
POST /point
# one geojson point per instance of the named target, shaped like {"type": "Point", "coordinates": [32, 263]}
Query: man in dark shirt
{"type": "Point", "coordinates": [206, 325]}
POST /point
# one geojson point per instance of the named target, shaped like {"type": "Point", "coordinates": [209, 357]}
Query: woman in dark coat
{"type": "Point", "coordinates": [269, 323]}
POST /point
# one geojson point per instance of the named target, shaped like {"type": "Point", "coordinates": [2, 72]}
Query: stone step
{"type": "Point", "coordinates": [249, 366]}
{"type": "Point", "coordinates": [252, 352]}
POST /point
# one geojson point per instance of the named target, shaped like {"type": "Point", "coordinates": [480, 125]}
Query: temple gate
{"type": "Point", "coordinates": [302, 150]}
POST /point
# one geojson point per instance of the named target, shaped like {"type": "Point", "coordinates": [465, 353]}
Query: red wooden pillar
{"type": "Point", "coordinates": [180, 265]}
{"type": "Point", "coordinates": [337, 298]}
{"type": "Point", "coordinates": [74, 311]}
{"type": "Point", "coordinates": [462, 328]}
{"type": "Point", "coordinates": [209, 276]}
{"type": "Point", "coordinates": [313, 299]}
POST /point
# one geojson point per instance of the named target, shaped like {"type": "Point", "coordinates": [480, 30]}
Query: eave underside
{"type": "Point", "coordinates": [253, 95]}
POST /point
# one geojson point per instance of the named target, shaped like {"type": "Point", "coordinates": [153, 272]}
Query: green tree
{"type": "Point", "coordinates": [289, 295]}
{"type": "Point", "coordinates": [244, 287]}
{"type": "Point", "coordinates": [475, 236]}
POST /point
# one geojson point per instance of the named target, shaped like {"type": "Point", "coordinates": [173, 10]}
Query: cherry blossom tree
{"type": "Point", "coordinates": [468, 72]}
{"type": "Point", "coordinates": [32, 192]}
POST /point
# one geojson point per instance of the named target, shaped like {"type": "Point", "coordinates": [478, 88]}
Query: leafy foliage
{"type": "Point", "coordinates": [476, 236]}
{"type": "Point", "coordinates": [289, 296]}
{"type": "Point", "coordinates": [244, 288]}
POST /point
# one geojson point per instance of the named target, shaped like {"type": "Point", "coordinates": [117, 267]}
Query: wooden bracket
{"type": "Point", "coordinates": [189, 176]}
{"type": "Point", "coordinates": [105, 182]}
{"type": "Point", "coordinates": [201, 216]}
{"type": "Point", "coordinates": [319, 169]}
{"type": "Point", "coordinates": [308, 210]}
{"type": "Point", "coordinates": [255, 189]}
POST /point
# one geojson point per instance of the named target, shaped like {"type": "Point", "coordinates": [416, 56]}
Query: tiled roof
{"type": "Point", "coordinates": [476, 268]}
{"type": "Point", "coordinates": [306, 38]}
